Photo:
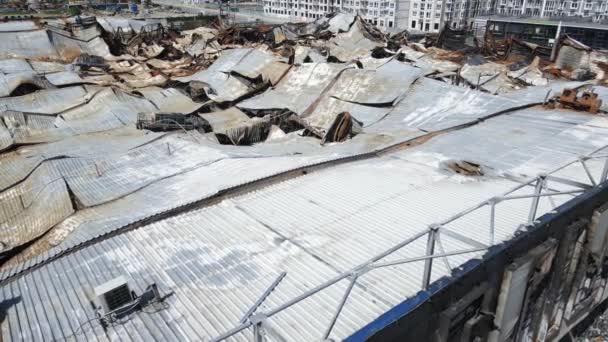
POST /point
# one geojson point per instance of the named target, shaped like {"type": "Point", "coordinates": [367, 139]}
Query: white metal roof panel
{"type": "Point", "coordinates": [9, 66]}
{"type": "Point", "coordinates": [298, 89]}
{"type": "Point", "coordinates": [433, 105]}
{"type": "Point", "coordinates": [33, 207]}
{"type": "Point", "coordinates": [170, 100]}
{"type": "Point", "coordinates": [52, 101]}
{"type": "Point", "coordinates": [26, 44]}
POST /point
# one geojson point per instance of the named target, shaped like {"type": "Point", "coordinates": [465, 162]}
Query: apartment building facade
{"type": "Point", "coordinates": [432, 15]}
{"type": "Point", "coordinates": [594, 10]}
{"type": "Point", "coordinates": [386, 14]}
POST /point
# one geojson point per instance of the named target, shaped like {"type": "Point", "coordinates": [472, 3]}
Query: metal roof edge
{"type": "Point", "coordinates": [409, 305]}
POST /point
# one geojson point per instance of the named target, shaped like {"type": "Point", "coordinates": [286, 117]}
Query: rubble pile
{"type": "Point", "coordinates": [80, 98]}
{"type": "Point", "coordinates": [256, 70]}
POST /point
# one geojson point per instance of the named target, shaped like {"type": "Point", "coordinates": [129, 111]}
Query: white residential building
{"type": "Point", "coordinates": [432, 15]}
{"type": "Point", "coordinates": [386, 14]}
{"type": "Point", "coordinates": [596, 10]}
{"type": "Point", "coordinates": [390, 15]}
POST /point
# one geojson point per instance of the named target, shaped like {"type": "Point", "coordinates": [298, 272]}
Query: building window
{"type": "Point", "coordinates": [574, 5]}
{"type": "Point", "coordinates": [426, 26]}
{"type": "Point", "coordinates": [437, 26]}
{"type": "Point", "coordinates": [415, 5]}
{"type": "Point", "coordinates": [414, 13]}
{"type": "Point", "coordinates": [390, 24]}
{"type": "Point", "coordinates": [413, 23]}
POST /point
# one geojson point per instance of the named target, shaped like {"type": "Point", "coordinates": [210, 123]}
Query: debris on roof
{"type": "Point", "coordinates": [212, 160]}
{"type": "Point", "coordinates": [588, 100]}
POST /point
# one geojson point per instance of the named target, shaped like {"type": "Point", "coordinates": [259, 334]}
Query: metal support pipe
{"type": "Point", "coordinates": [345, 274]}
{"type": "Point", "coordinates": [604, 172]}
{"type": "Point", "coordinates": [492, 221]}
{"type": "Point", "coordinates": [547, 190]}
{"type": "Point", "coordinates": [463, 213]}
{"type": "Point", "coordinates": [556, 193]}
{"type": "Point", "coordinates": [340, 307]}
{"type": "Point", "coordinates": [428, 263]}
{"type": "Point", "coordinates": [547, 97]}
{"type": "Point", "coordinates": [426, 257]}
{"type": "Point", "coordinates": [462, 238]}
{"type": "Point", "coordinates": [540, 183]}
{"type": "Point", "coordinates": [98, 170]}
{"type": "Point", "coordinates": [569, 182]}
{"type": "Point", "coordinates": [589, 175]}
{"type": "Point", "coordinates": [257, 332]}
{"type": "Point", "coordinates": [263, 297]}
{"type": "Point", "coordinates": [448, 267]}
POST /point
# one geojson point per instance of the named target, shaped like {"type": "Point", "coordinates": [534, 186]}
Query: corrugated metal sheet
{"type": "Point", "coordinates": [433, 105]}
{"type": "Point", "coordinates": [6, 139]}
{"type": "Point", "coordinates": [33, 207]}
{"type": "Point", "coordinates": [107, 178]}
{"type": "Point", "coordinates": [298, 89]}
{"type": "Point", "coordinates": [112, 24]}
{"type": "Point", "coordinates": [321, 218]}
{"type": "Point", "coordinates": [524, 143]}
{"type": "Point", "coordinates": [69, 48]}
{"type": "Point", "coordinates": [81, 112]}
{"type": "Point", "coordinates": [538, 94]}
{"type": "Point", "coordinates": [357, 207]}
{"type": "Point", "coordinates": [9, 66]}
{"type": "Point", "coordinates": [246, 164]}
{"type": "Point", "coordinates": [64, 78]}
{"type": "Point", "coordinates": [368, 95]}
{"type": "Point", "coordinates": [325, 112]}
{"type": "Point", "coordinates": [491, 77]}
{"type": "Point", "coordinates": [52, 101]}
{"type": "Point", "coordinates": [382, 86]}
{"type": "Point", "coordinates": [17, 166]}
{"type": "Point", "coordinates": [170, 100]}
{"type": "Point", "coordinates": [306, 54]}
{"type": "Point", "coordinates": [353, 44]}
{"type": "Point", "coordinates": [177, 262]}
{"type": "Point", "coordinates": [251, 63]}
{"type": "Point", "coordinates": [340, 22]}
{"type": "Point", "coordinates": [31, 128]}
{"type": "Point", "coordinates": [10, 82]}
{"type": "Point", "coordinates": [27, 44]}
{"type": "Point", "coordinates": [225, 119]}
{"type": "Point", "coordinates": [158, 197]}
{"type": "Point", "coordinates": [217, 260]}
{"type": "Point", "coordinates": [43, 67]}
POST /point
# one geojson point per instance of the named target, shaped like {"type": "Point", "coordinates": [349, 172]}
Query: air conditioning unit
{"type": "Point", "coordinates": [113, 294]}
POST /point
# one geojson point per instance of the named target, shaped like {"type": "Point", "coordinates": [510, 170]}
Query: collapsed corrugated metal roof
{"type": "Point", "coordinates": [355, 43]}
{"type": "Point", "coordinates": [318, 234]}
{"type": "Point", "coordinates": [86, 197]}
{"type": "Point", "coordinates": [221, 80]}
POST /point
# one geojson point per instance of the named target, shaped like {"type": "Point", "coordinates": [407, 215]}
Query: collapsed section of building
{"type": "Point", "coordinates": [305, 181]}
